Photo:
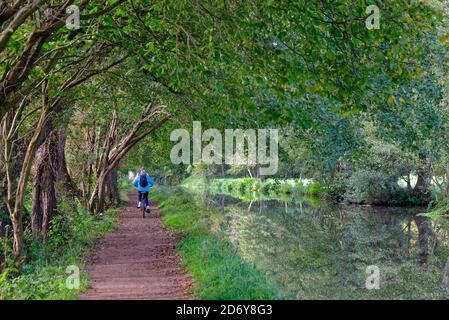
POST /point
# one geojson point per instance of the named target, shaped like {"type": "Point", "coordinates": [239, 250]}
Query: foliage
{"type": "Point", "coordinates": [71, 238]}
{"type": "Point", "coordinates": [249, 189]}
{"type": "Point", "coordinates": [370, 187]}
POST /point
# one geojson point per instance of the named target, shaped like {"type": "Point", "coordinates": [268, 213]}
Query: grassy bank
{"type": "Point", "coordinates": [218, 271]}
{"type": "Point", "coordinates": [249, 189]}
{"type": "Point", "coordinates": [70, 240]}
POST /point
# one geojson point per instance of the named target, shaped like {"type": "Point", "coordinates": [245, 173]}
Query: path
{"type": "Point", "coordinates": [137, 261]}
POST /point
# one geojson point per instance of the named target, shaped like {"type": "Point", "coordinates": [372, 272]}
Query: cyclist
{"type": "Point", "coordinates": [143, 182]}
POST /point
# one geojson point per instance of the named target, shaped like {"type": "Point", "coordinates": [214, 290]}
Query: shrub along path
{"type": "Point", "coordinates": [137, 261]}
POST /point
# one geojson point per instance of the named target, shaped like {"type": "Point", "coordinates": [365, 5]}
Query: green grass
{"type": "Point", "coordinates": [218, 271]}
{"type": "Point", "coordinates": [44, 276]}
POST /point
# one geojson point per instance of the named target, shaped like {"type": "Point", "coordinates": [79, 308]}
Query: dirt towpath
{"type": "Point", "coordinates": [137, 261]}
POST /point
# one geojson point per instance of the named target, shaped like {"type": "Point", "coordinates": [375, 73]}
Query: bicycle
{"type": "Point", "coordinates": [144, 205]}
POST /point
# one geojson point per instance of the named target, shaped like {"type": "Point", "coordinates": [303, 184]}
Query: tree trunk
{"type": "Point", "coordinates": [422, 184]}
{"type": "Point", "coordinates": [64, 179]}
{"type": "Point", "coordinates": [17, 247]}
{"type": "Point", "coordinates": [101, 192]}
{"type": "Point", "coordinates": [96, 202]}
{"type": "Point", "coordinates": [113, 193]}
{"type": "Point", "coordinates": [15, 204]}
{"type": "Point", "coordinates": [259, 175]}
{"type": "Point", "coordinates": [447, 180]}
{"type": "Point", "coordinates": [13, 165]}
{"type": "Point", "coordinates": [47, 167]}
{"type": "Point", "coordinates": [409, 182]}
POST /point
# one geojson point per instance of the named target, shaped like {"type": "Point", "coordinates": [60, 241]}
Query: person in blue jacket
{"type": "Point", "coordinates": [143, 182]}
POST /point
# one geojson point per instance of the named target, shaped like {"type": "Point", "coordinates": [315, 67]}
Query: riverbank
{"type": "Point", "coordinates": [217, 269]}
{"type": "Point", "coordinates": [252, 189]}
{"type": "Point", "coordinates": [70, 241]}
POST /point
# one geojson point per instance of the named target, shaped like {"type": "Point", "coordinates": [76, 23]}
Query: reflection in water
{"type": "Point", "coordinates": [427, 238]}
{"type": "Point", "coordinates": [322, 251]}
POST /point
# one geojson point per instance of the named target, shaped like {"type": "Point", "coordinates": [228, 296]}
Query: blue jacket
{"type": "Point", "coordinates": [143, 189]}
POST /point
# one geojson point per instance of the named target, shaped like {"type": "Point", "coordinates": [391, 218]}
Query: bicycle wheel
{"type": "Point", "coordinates": [144, 201]}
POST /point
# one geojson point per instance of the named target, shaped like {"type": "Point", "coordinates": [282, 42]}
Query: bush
{"type": "Point", "coordinates": [401, 197]}
{"type": "Point", "coordinates": [248, 185]}
{"type": "Point", "coordinates": [249, 189]}
{"type": "Point", "coordinates": [315, 188]}
{"type": "Point", "coordinates": [286, 188]}
{"type": "Point", "coordinates": [44, 276]}
{"type": "Point", "coordinates": [270, 186]}
{"type": "Point", "coordinates": [370, 187]}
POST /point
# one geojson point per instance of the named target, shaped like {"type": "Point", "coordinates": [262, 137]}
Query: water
{"type": "Point", "coordinates": [319, 250]}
